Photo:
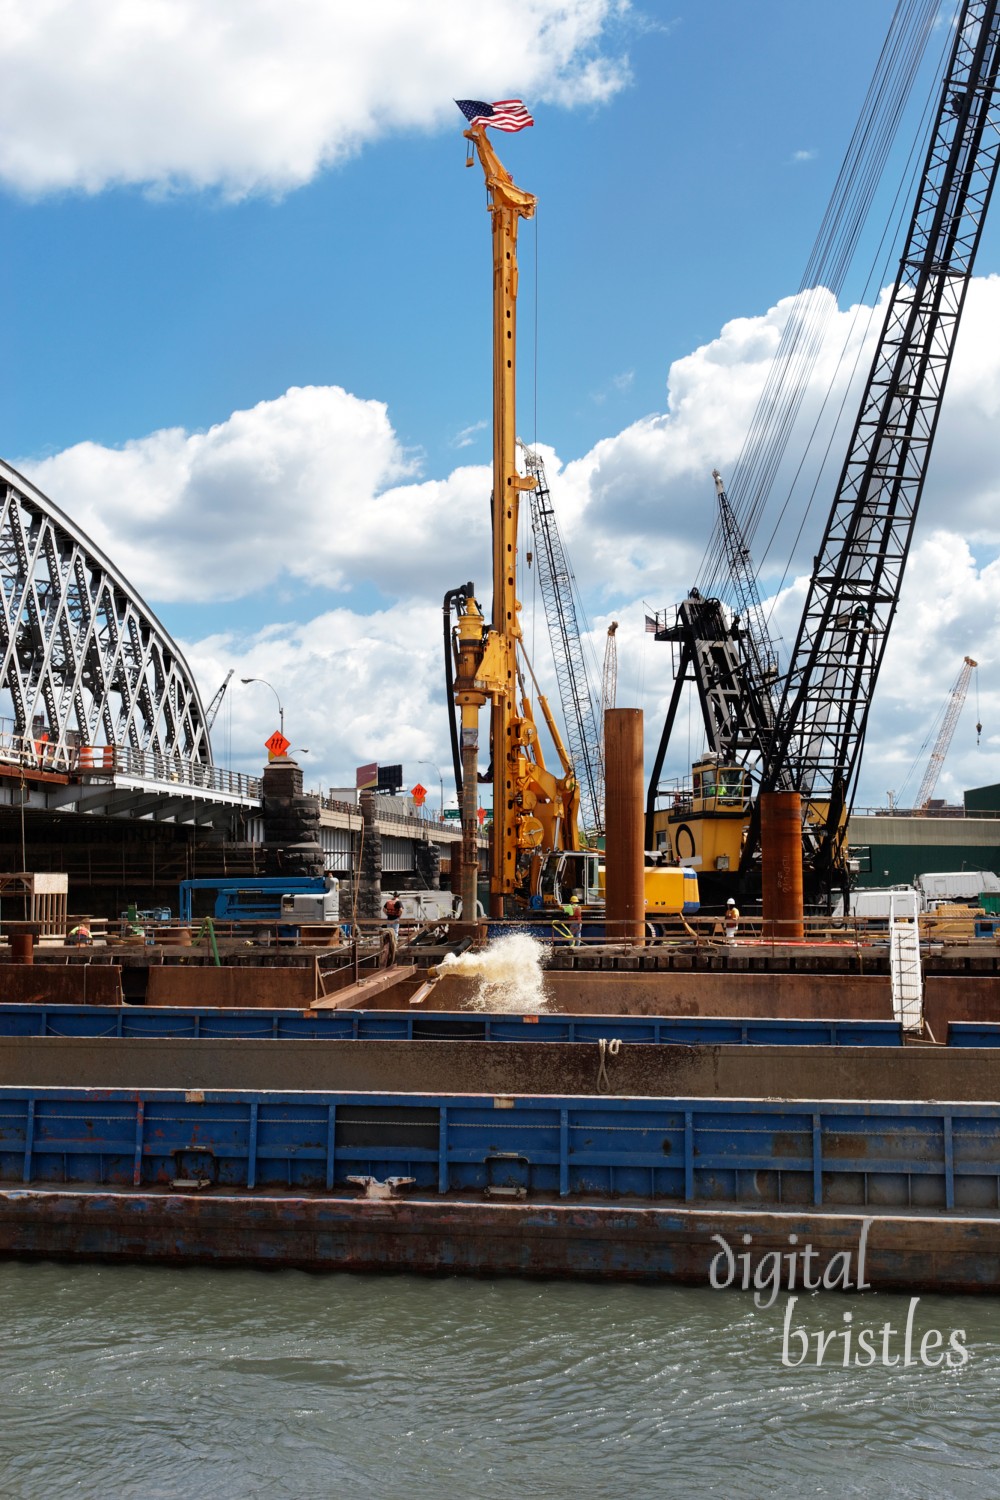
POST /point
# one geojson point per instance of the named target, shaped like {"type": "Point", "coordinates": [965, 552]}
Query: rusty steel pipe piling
{"type": "Point", "coordinates": [781, 865]}
{"type": "Point", "coordinates": [624, 861]}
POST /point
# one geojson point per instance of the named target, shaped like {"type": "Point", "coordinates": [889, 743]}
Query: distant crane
{"type": "Point", "coordinates": [956, 700]}
{"type": "Point", "coordinates": [732, 662]}
{"type": "Point", "coordinates": [609, 692]}
{"type": "Point", "coordinates": [212, 711]}
{"type": "Point", "coordinates": [760, 660]}
{"type": "Point", "coordinates": [558, 586]}
{"type": "Point", "coordinates": [609, 678]}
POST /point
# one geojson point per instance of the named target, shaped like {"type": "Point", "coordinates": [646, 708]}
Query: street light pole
{"type": "Point", "coordinates": [440, 783]}
{"type": "Point", "coordinates": [274, 690]}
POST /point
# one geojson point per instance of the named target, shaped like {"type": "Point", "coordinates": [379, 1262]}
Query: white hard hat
{"type": "Point", "coordinates": [730, 902]}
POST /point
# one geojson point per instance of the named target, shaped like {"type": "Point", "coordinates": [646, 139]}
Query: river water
{"type": "Point", "coordinates": [153, 1382]}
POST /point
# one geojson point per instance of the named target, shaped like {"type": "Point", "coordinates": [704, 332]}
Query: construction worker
{"type": "Point", "coordinates": [568, 932]}
{"type": "Point", "coordinates": [731, 921]}
{"type": "Point", "coordinates": [393, 910]}
{"type": "Point", "coordinates": [79, 936]}
{"type": "Point", "coordinates": [575, 921]}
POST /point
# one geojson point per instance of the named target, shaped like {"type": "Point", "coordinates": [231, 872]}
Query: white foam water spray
{"type": "Point", "coordinates": [508, 972]}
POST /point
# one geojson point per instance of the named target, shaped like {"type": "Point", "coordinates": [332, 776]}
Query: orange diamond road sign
{"type": "Point", "coordinates": [419, 794]}
{"type": "Point", "coordinates": [277, 744]}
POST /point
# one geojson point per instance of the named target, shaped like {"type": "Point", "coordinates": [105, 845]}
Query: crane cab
{"type": "Point", "coordinates": [558, 875]}
{"type": "Point", "coordinates": [704, 825]}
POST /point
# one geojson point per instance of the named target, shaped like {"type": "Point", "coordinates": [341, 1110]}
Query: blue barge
{"type": "Point", "coordinates": [163, 1023]}
{"type": "Point", "coordinates": [628, 1187]}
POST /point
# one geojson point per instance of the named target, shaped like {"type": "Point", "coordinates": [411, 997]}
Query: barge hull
{"type": "Point", "coordinates": [546, 1069]}
{"type": "Point", "coordinates": [903, 1253]}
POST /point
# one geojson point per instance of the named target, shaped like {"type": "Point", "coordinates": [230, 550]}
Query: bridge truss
{"type": "Point", "coordinates": [83, 661]}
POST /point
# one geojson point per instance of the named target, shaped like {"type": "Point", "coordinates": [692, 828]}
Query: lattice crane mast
{"type": "Point", "coordinates": [855, 585]}
{"type": "Point", "coordinates": [956, 701]}
{"type": "Point", "coordinates": [558, 589]}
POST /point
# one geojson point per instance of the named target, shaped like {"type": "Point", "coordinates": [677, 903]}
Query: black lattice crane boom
{"type": "Point", "coordinates": [558, 590]}
{"type": "Point", "coordinates": [956, 701]}
{"type": "Point", "coordinates": [855, 585]}
{"type": "Point", "coordinates": [730, 658]}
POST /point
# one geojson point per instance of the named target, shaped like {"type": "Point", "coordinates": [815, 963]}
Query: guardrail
{"type": "Point", "coordinates": [556, 931]}
{"type": "Point", "coordinates": [122, 760]}
{"type": "Point", "coordinates": [150, 765]}
{"type": "Point", "coordinates": [34, 755]}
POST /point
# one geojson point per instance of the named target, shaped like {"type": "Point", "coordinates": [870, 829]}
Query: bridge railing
{"type": "Point", "coordinates": [32, 754]}
{"type": "Point", "coordinates": [150, 765]}
{"type": "Point", "coordinates": [108, 760]}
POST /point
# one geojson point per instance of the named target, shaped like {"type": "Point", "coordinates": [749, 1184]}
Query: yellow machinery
{"type": "Point", "coordinates": [706, 826]}
{"type": "Point", "coordinates": [668, 891]}
{"type": "Point", "coordinates": [535, 811]}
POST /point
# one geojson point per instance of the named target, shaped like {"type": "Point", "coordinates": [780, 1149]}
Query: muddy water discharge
{"type": "Point", "coordinates": [508, 973]}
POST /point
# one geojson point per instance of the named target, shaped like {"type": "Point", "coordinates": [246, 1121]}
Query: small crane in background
{"type": "Point", "coordinates": [558, 585]}
{"type": "Point", "coordinates": [212, 711]}
{"type": "Point", "coordinates": [956, 701]}
{"type": "Point", "coordinates": [609, 678]}
{"type": "Point", "coordinates": [609, 692]}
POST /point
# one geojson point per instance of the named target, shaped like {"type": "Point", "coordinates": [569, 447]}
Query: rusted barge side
{"type": "Point", "coordinates": [916, 1253]}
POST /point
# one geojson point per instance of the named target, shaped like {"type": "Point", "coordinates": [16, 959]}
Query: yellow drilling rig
{"type": "Point", "coordinates": [535, 810]}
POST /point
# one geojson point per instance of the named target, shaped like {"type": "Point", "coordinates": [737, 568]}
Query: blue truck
{"type": "Point", "coordinates": [256, 900]}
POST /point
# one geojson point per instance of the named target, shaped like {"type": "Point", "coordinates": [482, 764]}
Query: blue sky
{"type": "Point", "coordinates": [662, 213]}
{"type": "Point", "coordinates": [172, 260]}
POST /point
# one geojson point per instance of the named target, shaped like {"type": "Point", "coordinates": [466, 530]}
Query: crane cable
{"type": "Point", "coordinates": [835, 245]}
{"type": "Point", "coordinates": [869, 313]}
{"type": "Point", "coordinates": [802, 336]}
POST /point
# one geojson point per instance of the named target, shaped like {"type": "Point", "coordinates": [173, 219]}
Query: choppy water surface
{"type": "Point", "coordinates": [151, 1382]}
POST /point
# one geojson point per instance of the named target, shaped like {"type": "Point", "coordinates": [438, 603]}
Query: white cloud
{"type": "Point", "coordinates": [798, 156]}
{"type": "Point", "coordinates": [300, 488]}
{"type": "Point", "coordinates": [468, 435]}
{"type": "Point", "coordinates": [354, 687]}
{"type": "Point", "coordinates": [950, 609]}
{"type": "Point", "coordinates": [314, 488]}
{"type": "Point", "coordinates": [640, 505]}
{"type": "Point", "coordinates": [260, 95]}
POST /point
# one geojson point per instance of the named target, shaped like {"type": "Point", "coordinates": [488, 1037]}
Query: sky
{"type": "Point", "coordinates": [247, 304]}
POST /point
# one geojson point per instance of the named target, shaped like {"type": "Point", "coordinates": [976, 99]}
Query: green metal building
{"type": "Point", "coordinates": [892, 848]}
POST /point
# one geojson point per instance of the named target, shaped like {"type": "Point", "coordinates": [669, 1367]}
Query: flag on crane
{"type": "Point", "coordinates": [651, 626]}
{"type": "Point", "coordinates": [505, 114]}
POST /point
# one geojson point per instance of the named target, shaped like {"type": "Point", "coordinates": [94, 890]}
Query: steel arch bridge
{"type": "Point", "coordinates": [83, 659]}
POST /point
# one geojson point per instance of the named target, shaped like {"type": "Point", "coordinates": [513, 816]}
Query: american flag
{"type": "Point", "coordinates": [505, 114]}
{"type": "Point", "coordinates": [650, 624]}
